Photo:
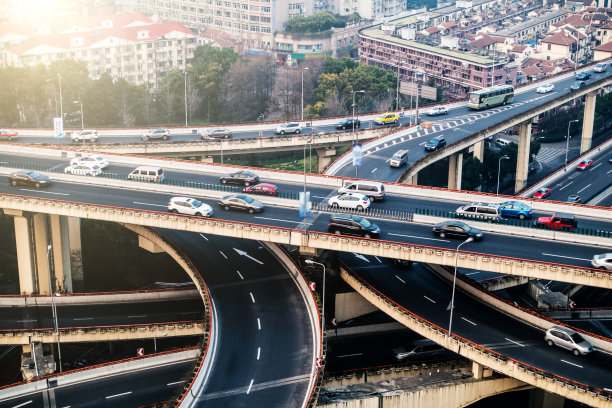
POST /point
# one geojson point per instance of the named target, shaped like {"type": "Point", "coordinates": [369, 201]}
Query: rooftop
{"type": "Point", "coordinates": [511, 31]}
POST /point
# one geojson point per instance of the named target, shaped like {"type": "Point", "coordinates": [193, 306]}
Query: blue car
{"type": "Point", "coordinates": [515, 209]}
{"type": "Point", "coordinates": [583, 76]}
{"type": "Point", "coordinates": [576, 85]}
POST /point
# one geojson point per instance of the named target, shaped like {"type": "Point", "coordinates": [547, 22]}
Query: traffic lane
{"type": "Point", "coordinates": [486, 326]}
{"type": "Point", "coordinates": [39, 317]}
{"type": "Point", "coordinates": [129, 390]}
{"type": "Point", "coordinates": [586, 183]}
{"type": "Point", "coordinates": [263, 320]}
{"type": "Point", "coordinates": [147, 386]}
{"type": "Point", "coordinates": [491, 243]}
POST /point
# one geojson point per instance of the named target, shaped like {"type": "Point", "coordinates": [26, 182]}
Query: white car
{"type": "Point", "coordinates": [83, 169]}
{"type": "Point", "coordinates": [545, 88]}
{"type": "Point", "coordinates": [353, 201]}
{"type": "Point", "coordinates": [91, 159]}
{"type": "Point", "coordinates": [89, 135]}
{"type": "Point", "coordinates": [289, 127]}
{"type": "Point", "coordinates": [602, 261]}
{"type": "Point", "coordinates": [189, 206]}
{"type": "Point", "coordinates": [156, 134]}
{"type": "Point", "coordinates": [437, 110]}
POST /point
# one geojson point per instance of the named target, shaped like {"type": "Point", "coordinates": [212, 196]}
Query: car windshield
{"type": "Point", "coordinates": [34, 175]}
{"type": "Point", "coordinates": [247, 199]}
{"type": "Point", "coordinates": [364, 222]}
{"type": "Point", "coordinates": [433, 141]}
{"type": "Point", "coordinates": [396, 157]}
{"type": "Point", "coordinates": [577, 338]}
{"type": "Point", "coordinates": [196, 203]}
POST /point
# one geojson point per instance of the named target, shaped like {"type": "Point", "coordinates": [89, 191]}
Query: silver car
{"type": "Point", "coordinates": [602, 261]}
{"type": "Point", "coordinates": [567, 338]}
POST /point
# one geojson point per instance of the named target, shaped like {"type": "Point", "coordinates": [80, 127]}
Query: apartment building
{"type": "Point", "coordinates": [533, 27]}
{"type": "Point", "coordinates": [128, 46]}
{"type": "Point", "coordinates": [251, 22]}
{"type": "Point", "coordinates": [371, 9]}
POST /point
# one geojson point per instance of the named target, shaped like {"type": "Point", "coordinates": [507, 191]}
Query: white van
{"type": "Point", "coordinates": [147, 173]}
{"type": "Point", "coordinates": [373, 189]}
{"type": "Point", "coordinates": [399, 158]}
{"type": "Point", "coordinates": [601, 67]}
{"type": "Point", "coordinates": [479, 210]}
{"type": "Point", "coordinates": [502, 142]}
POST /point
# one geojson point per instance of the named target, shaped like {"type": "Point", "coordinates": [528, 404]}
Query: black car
{"type": "Point", "coordinates": [456, 229]}
{"type": "Point", "coordinates": [29, 178]}
{"type": "Point", "coordinates": [348, 123]}
{"type": "Point", "coordinates": [344, 224]}
{"type": "Point", "coordinates": [242, 177]}
{"type": "Point", "coordinates": [576, 85]}
{"type": "Point", "coordinates": [435, 143]}
{"type": "Point", "coordinates": [240, 202]}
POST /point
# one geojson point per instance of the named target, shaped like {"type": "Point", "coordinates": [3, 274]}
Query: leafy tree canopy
{"type": "Point", "coordinates": [313, 24]}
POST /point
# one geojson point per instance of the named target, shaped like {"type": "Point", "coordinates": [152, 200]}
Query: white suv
{"type": "Point", "coordinates": [89, 135]}
{"type": "Point", "coordinates": [289, 127]}
{"type": "Point", "coordinates": [189, 206]}
{"type": "Point", "coordinates": [567, 338]}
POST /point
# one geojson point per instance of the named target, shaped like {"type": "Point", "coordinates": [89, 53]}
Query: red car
{"type": "Point", "coordinates": [8, 134]}
{"type": "Point", "coordinates": [542, 193]}
{"type": "Point", "coordinates": [584, 164]}
{"type": "Point", "coordinates": [262, 189]}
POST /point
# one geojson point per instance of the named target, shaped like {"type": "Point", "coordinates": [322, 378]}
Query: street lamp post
{"type": "Point", "coordinates": [54, 309]}
{"type": "Point", "coordinates": [354, 117]}
{"type": "Point", "coordinates": [82, 120]}
{"type": "Point", "coordinates": [59, 77]}
{"type": "Point", "coordinates": [303, 69]}
{"type": "Point", "coordinates": [569, 124]}
{"type": "Point", "coordinates": [498, 170]}
{"type": "Point", "coordinates": [416, 109]}
{"type": "Point", "coordinates": [308, 142]}
{"type": "Point", "coordinates": [185, 98]}
{"type": "Point", "coordinates": [452, 303]}
{"type": "Point", "coordinates": [311, 262]}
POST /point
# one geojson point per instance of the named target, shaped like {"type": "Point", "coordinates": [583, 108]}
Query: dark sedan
{"type": "Point", "coordinates": [29, 178]}
{"type": "Point", "coordinates": [576, 85]}
{"type": "Point", "coordinates": [456, 229]}
{"type": "Point", "coordinates": [242, 177]}
{"type": "Point", "coordinates": [583, 76]}
{"type": "Point", "coordinates": [240, 202]}
{"type": "Point", "coordinates": [348, 123]}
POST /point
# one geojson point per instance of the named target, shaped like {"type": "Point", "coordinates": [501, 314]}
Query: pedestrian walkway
{"type": "Point", "coordinates": [548, 154]}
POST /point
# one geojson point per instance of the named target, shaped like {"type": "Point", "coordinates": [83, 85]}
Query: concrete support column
{"type": "Point", "coordinates": [76, 256]}
{"type": "Point", "coordinates": [325, 157]}
{"type": "Point", "coordinates": [588, 121]}
{"type": "Point", "coordinates": [455, 170]}
{"type": "Point", "coordinates": [25, 259]}
{"type": "Point", "coordinates": [414, 179]}
{"type": "Point", "coordinates": [478, 150]}
{"type": "Point", "coordinates": [477, 370]}
{"type": "Point", "coordinates": [41, 243]}
{"type": "Point", "coordinates": [61, 253]}
{"type": "Point", "coordinates": [538, 398]}
{"type": "Point", "coordinates": [522, 161]}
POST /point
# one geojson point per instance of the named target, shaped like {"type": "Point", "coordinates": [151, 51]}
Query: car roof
{"type": "Point", "coordinates": [563, 329]}
{"type": "Point", "coordinates": [265, 185]}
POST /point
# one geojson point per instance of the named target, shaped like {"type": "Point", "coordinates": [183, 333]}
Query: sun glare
{"type": "Point", "coordinates": [24, 9]}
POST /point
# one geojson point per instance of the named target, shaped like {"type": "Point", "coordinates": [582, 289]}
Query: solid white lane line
{"type": "Point", "coordinates": [174, 383]}
{"type": "Point", "coordinates": [415, 236]}
{"type": "Point", "coordinates": [258, 324]}
{"type": "Point", "coordinates": [570, 363]}
{"type": "Point", "coordinates": [581, 190]}
{"type": "Point", "coordinates": [152, 205]}
{"type": "Point", "coordinates": [566, 257]}
{"type": "Point", "coordinates": [239, 274]}
{"type": "Point", "coordinates": [512, 341]}
{"type": "Point", "coordinates": [258, 352]}
{"type": "Point", "coordinates": [83, 318]}
{"type": "Point", "coordinates": [376, 168]}
{"type": "Point", "coordinates": [468, 321]}
{"type": "Point", "coordinates": [252, 298]}
{"type": "Point", "coordinates": [596, 166]}
{"type": "Point", "coordinates": [45, 192]}
{"type": "Point", "coordinates": [119, 395]}
{"type": "Point", "coordinates": [23, 404]}
{"type": "Point", "coordinates": [430, 299]}
{"type": "Point", "coordinates": [26, 321]}
{"type": "Point", "coordinates": [221, 252]}
{"type": "Point", "coordinates": [400, 279]}
{"type": "Point", "coordinates": [135, 316]}
{"type": "Point", "coordinates": [204, 236]}
{"type": "Point", "coordinates": [250, 385]}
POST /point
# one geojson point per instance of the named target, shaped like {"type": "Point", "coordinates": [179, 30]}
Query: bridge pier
{"type": "Point", "coordinates": [522, 160]}
{"type": "Point", "coordinates": [414, 179]}
{"type": "Point", "coordinates": [455, 170]}
{"type": "Point", "coordinates": [588, 121]}
{"type": "Point", "coordinates": [44, 246]}
{"type": "Point", "coordinates": [478, 150]}
{"type": "Point", "coordinates": [543, 399]}
{"type": "Point", "coordinates": [325, 157]}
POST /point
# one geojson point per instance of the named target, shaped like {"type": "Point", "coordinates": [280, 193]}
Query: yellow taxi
{"type": "Point", "coordinates": [386, 118]}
